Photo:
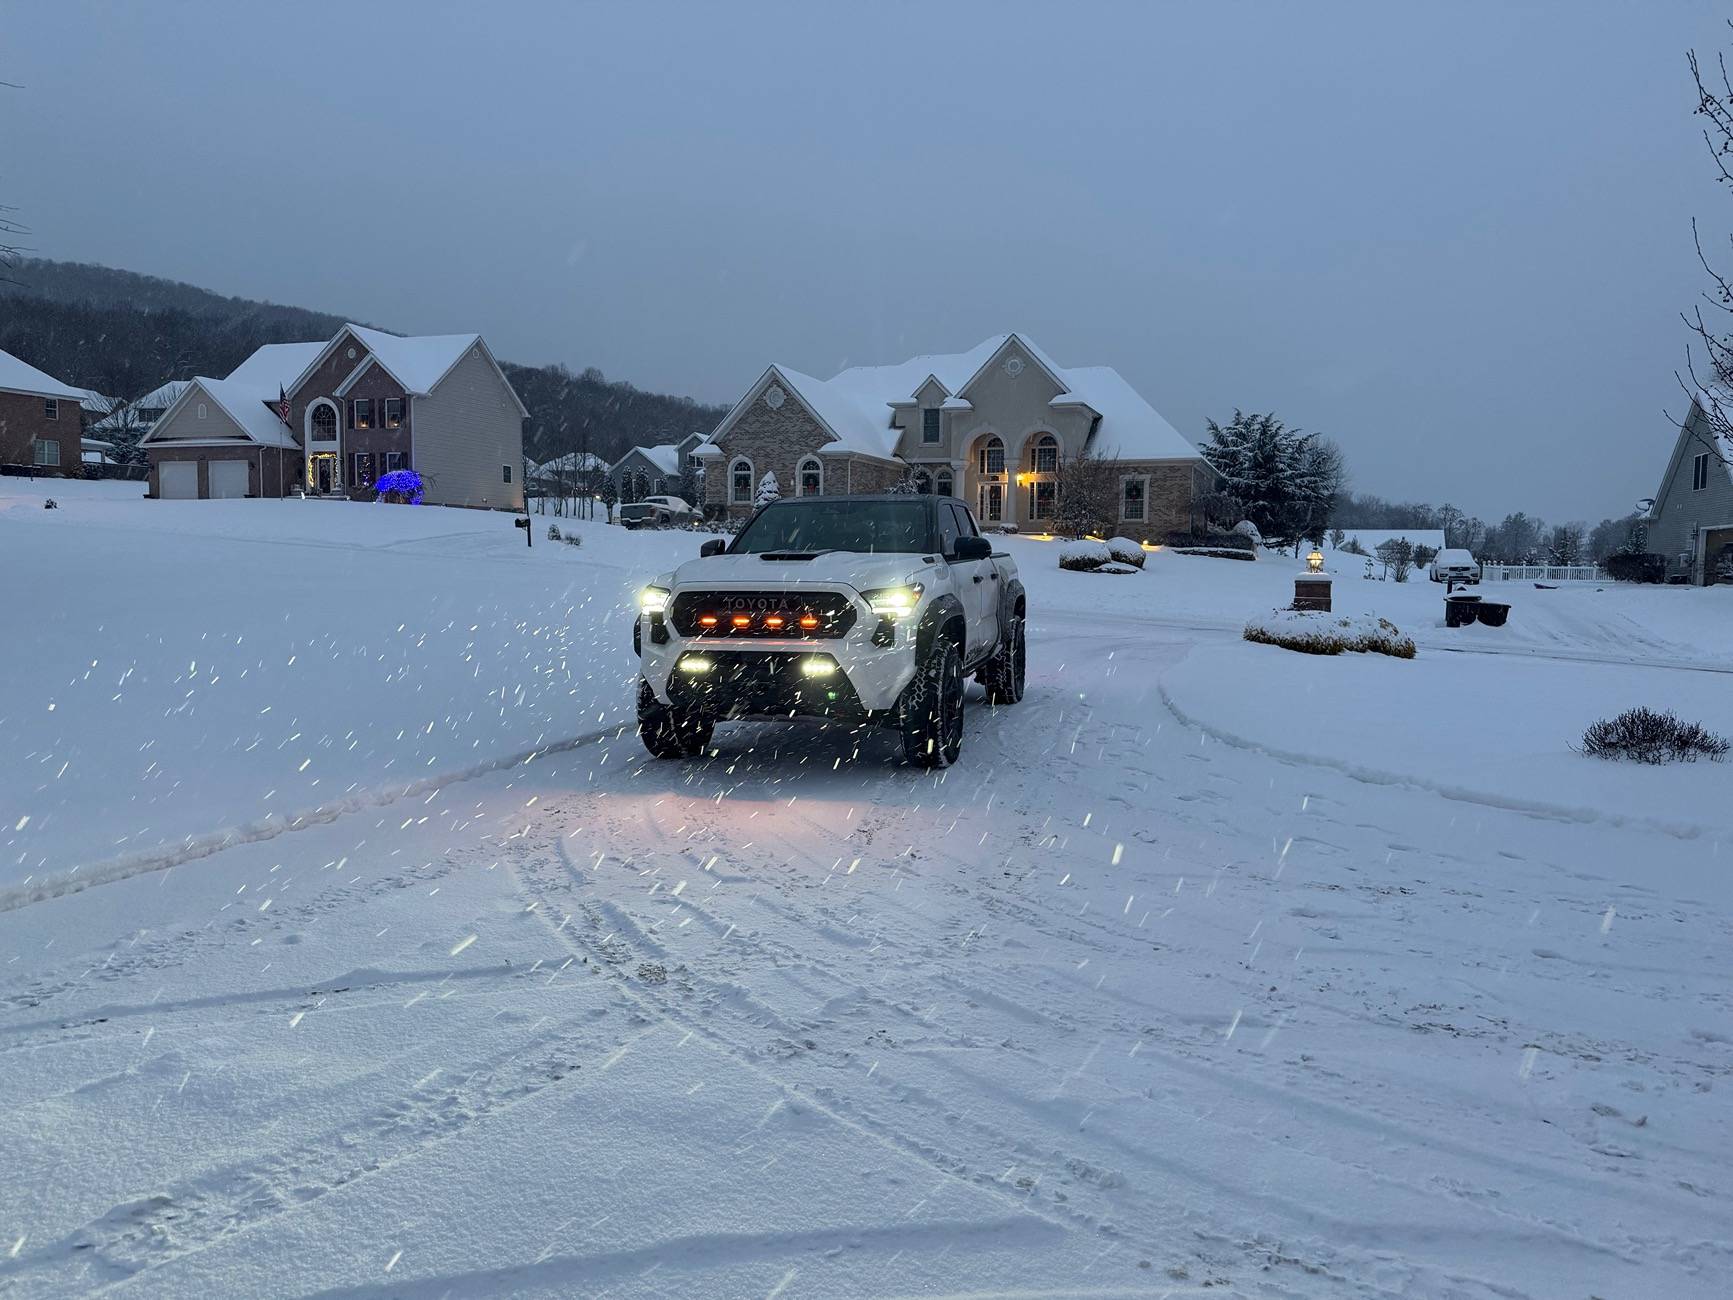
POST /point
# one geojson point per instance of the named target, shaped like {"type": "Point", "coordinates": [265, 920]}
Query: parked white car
{"type": "Point", "coordinates": [657, 512]}
{"type": "Point", "coordinates": [1453, 564]}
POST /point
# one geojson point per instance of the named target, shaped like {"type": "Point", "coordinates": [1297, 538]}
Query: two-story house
{"type": "Point", "coordinates": [329, 418]}
{"type": "Point", "coordinates": [41, 420]}
{"type": "Point", "coordinates": [1691, 522]}
{"type": "Point", "coordinates": [994, 426]}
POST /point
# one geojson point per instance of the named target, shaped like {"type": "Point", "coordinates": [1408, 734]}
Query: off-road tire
{"type": "Point", "coordinates": [668, 732]}
{"type": "Point", "coordinates": [930, 709]}
{"type": "Point", "coordinates": [1003, 674]}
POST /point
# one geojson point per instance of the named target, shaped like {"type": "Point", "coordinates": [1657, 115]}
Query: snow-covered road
{"type": "Point", "coordinates": [1112, 1008]}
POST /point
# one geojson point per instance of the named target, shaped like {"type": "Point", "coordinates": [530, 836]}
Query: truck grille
{"type": "Point", "coordinates": [786, 614]}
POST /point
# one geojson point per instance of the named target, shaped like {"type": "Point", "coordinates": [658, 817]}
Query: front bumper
{"type": "Point", "coordinates": [763, 677]}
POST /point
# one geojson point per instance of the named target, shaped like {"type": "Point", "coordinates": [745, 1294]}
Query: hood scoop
{"type": "Point", "coordinates": [797, 556]}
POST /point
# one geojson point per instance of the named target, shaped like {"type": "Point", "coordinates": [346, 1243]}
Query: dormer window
{"type": "Point", "coordinates": [930, 424]}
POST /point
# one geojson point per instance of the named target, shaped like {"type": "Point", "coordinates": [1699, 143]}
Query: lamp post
{"type": "Point", "coordinates": [1312, 588]}
{"type": "Point", "coordinates": [1315, 561]}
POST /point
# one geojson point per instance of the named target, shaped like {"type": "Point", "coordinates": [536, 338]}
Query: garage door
{"type": "Point", "coordinates": [178, 480]}
{"type": "Point", "coordinates": [228, 478]}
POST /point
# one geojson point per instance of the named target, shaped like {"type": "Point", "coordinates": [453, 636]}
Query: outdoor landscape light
{"type": "Point", "coordinates": [1315, 561]}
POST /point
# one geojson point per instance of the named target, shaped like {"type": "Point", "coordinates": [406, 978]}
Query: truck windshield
{"type": "Point", "coordinates": [831, 525]}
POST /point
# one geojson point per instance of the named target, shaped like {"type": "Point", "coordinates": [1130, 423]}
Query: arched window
{"type": "Point", "coordinates": [323, 422]}
{"type": "Point", "coordinates": [811, 477]}
{"type": "Point", "coordinates": [991, 457]}
{"type": "Point", "coordinates": [740, 482]}
{"type": "Point", "coordinates": [1044, 455]}
{"type": "Point", "coordinates": [943, 483]}
{"type": "Point", "coordinates": [201, 410]}
{"type": "Point", "coordinates": [923, 483]}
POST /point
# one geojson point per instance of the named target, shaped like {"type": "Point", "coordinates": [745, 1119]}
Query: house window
{"type": "Point", "coordinates": [1045, 455]}
{"type": "Point", "coordinates": [661, 487]}
{"type": "Point", "coordinates": [1132, 494]}
{"type": "Point", "coordinates": [46, 453]}
{"type": "Point", "coordinates": [1043, 494]}
{"type": "Point", "coordinates": [930, 424]}
{"type": "Point", "coordinates": [1700, 472]}
{"type": "Point", "coordinates": [361, 413]}
{"type": "Point", "coordinates": [943, 483]}
{"type": "Point", "coordinates": [361, 469]}
{"type": "Point", "coordinates": [51, 410]}
{"type": "Point", "coordinates": [324, 423]}
{"type": "Point", "coordinates": [991, 458]}
{"type": "Point", "coordinates": [392, 414]}
{"type": "Point", "coordinates": [201, 410]}
{"type": "Point", "coordinates": [740, 482]}
{"type": "Point", "coordinates": [393, 461]}
{"type": "Point", "coordinates": [811, 477]}
{"type": "Point", "coordinates": [505, 473]}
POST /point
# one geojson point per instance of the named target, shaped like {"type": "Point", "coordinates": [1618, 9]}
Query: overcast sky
{"type": "Point", "coordinates": [1454, 237]}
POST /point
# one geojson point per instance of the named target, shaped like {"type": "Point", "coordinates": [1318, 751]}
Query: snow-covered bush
{"type": "Point", "coordinates": [1647, 736]}
{"type": "Point", "coordinates": [1246, 528]}
{"type": "Point", "coordinates": [51, 504]}
{"type": "Point", "coordinates": [1210, 541]}
{"type": "Point", "coordinates": [1126, 551]}
{"type": "Point", "coordinates": [554, 533]}
{"type": "Point", "coordinates": [1084, 556]}
{"type": "Point", "coordinates": [768, 489]}
{"type": "Point", "coordinates": [401, 485]}
{"type": "Point", "coordinates": [1315, 632]}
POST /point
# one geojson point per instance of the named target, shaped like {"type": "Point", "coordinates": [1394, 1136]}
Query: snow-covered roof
{"type": "Point", "coordinates": [96, 403]}
{"type": "Point", "coordinates": [854, 404]}
{"type": "Point", "coordinates": [21, 377]}
{"type": "Point", "coordinates": [665, 456]}
{"type": "Point", "coordinates": [275, 366]}
{"type": "Point", "coordinates": [573, 462]}
{"type": "Point", "coordinates": [1370, 539]}
{"type": "Point", "coordinates": [159, 398]}
{"type": "Point", "coordinates": [418, 362]}
{"type": "Point", "coordinates": [244, 404]}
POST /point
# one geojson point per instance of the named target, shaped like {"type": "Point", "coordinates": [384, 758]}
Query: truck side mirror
{"type": "Point", "coordinates": [715, 546]}
{"type": "Point", "coordinates": [973, 548]}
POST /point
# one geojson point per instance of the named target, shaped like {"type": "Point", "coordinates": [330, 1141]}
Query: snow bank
{"type": "Point", "coordinates": [1318, 633]}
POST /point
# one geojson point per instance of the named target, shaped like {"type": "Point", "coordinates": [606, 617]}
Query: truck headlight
{"type": "Point", "coordinates": [894, 602]}
{"type": "Point", "coordinates": [653, 600]}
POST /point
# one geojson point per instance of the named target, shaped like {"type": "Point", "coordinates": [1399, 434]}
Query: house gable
{"type": "Point", "coordinates": [1680, 510]}
{"type": "Point", "coordinates": [182, 422]}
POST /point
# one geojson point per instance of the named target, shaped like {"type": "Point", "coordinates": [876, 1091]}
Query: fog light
{"type": "Point", "coordinates": [817, 667]}
{"type": "Point", "coordinates": [696, 664]}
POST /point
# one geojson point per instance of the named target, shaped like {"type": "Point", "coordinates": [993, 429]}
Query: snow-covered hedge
{"type": "Point", "coordinates": [1247, 529]}
{"type": "Point", "coordinates": [1084, 556]}
{"type": "Point", "coordinates": [1125, 551]}
{"type": "Point", "coordinates": [1214, 553]}
{"type": "Point", "coordinates": [1315, 632]}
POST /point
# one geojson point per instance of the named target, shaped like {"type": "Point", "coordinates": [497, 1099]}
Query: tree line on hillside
{"type": "Point", "coordinates": [1518, 538]}
{"type": "Point", "coordinates": [123, 334]}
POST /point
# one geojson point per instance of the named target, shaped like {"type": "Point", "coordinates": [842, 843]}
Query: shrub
{"type": "Point", "coordinates": [1314, 632]}
{"type": "Point", "coordinates": [554, 533]}
{"type": "Point", "coordinates": [1247, 529]}
{"type": "Point", "coordinates": [399, 485]}
{"type": "Point", "coordinates": [1125, 551]}
{"type": "Point", "coordinates": [573, 539]}
{"type": "Point", "coordinates": [1637, 568]}
{"type": "Point", "coordinates": [51, 504]}
{"type": "Point", "coordinates": [1647, 736]}
{"type": "Point", "coordinates": [1084, 556]}
{"type": "Point", "coordinates": [1214, 553]}
{"type": "Point", "coordinates": [1215, 541]}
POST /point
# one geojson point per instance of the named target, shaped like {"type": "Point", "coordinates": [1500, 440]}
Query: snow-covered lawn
{"type": "Point", "coordinates": [1118, 1006]}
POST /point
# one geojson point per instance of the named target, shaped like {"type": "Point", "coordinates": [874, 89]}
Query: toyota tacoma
{"type": "Point", "coordinates": [855, 608]}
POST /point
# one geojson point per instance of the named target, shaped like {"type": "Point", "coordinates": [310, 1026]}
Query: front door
{"type": "Point", "coordinates": [992, 503]}
{"type": "Point", "coordinates": [324, 474]}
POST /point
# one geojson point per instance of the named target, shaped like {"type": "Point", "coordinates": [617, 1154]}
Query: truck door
{"type": "Point", "coordinates": [977, 580]}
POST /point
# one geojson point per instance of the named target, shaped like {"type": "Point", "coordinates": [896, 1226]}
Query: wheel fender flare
{"type": "Point", "coordinates": [943, 610]}
{"type": "Point", "coordinates": [1010, 592]}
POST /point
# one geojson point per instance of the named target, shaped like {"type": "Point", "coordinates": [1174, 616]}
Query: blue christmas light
{"type": "Point", "coordinates": [405, 482]}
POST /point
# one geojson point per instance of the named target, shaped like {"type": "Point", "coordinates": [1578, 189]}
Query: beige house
{"type": "Point", "coordinates": [993, 426]}
{"type": "Point", "coordinates": [329, 418]}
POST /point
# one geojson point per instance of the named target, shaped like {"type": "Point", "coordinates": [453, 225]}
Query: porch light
{"type": "Point", "coordinates": [1023, 477]}
{"type": "Point", "coordinates": [1315, 561]}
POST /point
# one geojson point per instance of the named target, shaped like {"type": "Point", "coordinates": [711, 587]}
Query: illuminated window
{"type": "Point", "coordinates": [811, 477]}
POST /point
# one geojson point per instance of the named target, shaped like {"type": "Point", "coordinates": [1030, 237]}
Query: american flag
{"type": "Point", "coordinates": [282, 405]}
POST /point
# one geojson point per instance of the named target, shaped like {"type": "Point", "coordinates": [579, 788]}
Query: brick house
{"type": "Point", "coordinates": [358, 406]}
{"type": "Point", "coordinates": [41, 420]}
{"type": "Point", "coordinates": [992, 425]}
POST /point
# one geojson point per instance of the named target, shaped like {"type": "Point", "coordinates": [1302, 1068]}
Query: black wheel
{"type": "Point", "coordinates": [1002, 675]}
{"type": "Point", "coordinates": [668, 732]}
{"type": "Point", "coordinates": [930, 712]}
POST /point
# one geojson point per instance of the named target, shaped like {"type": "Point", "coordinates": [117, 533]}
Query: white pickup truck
{"type": "Point", "coordinates": [856, 608]}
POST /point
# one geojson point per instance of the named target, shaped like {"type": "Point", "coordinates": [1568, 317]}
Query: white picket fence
{"type": "Point", "coordinates": [1542, 573]}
